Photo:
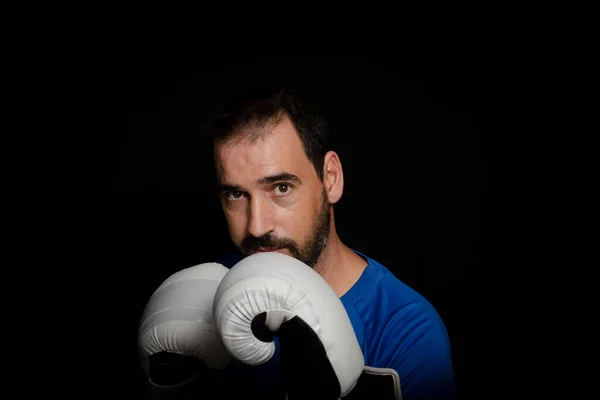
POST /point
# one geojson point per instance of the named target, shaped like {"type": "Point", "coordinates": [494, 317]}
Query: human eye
{"type": "Point", "coordinates": [282, 189]}
{"type": "Point", "coordinates": [234, 195]}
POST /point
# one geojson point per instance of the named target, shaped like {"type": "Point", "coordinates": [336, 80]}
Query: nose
{"type": "Point", "coordinates": [260, 218]}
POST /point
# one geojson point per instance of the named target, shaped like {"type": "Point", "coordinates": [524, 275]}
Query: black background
{"type": "Point", "coordinates": [415, 180]}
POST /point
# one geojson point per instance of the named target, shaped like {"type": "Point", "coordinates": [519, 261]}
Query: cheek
{"type": "Point", "coordinates": [299, 223]}
{"type": "Point", "coordinates": [235, 224]}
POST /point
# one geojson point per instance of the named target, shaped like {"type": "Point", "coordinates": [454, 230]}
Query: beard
{"type": "Point", "coordinates": [308, 253]}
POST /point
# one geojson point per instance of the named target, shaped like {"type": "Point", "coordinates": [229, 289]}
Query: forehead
{"type": "Point", "coordinates": [279, 151]}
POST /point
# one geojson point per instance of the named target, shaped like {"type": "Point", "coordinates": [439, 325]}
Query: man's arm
{"type": "Point", "coordinates": [415, 343]}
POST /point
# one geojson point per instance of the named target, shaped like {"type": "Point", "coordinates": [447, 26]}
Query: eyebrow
{"type": "Point", "coordinates": [284, 176]}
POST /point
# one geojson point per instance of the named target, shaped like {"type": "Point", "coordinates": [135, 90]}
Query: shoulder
{"type": "Point", "coordinates": [408, 317]}
{"type": "Point", "coordinates": [405, 309]}
{"type": "Point", "coordinates": [416, 324]}
{"type": "Point", "coordinates": [382, 289]}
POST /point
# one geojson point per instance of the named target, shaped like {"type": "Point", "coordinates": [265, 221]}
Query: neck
{"type": "Point", "coordinates": [338, 264]}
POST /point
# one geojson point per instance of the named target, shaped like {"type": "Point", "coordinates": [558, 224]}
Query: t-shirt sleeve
{"type": "Point", "coordinates": [424, 361]}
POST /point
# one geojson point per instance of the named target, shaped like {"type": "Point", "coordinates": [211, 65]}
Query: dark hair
{"type": "Point", "coordinates": [250, 114]}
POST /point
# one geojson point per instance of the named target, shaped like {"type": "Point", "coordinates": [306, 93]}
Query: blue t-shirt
{"type": "Point", "coordinates": [396, 327]}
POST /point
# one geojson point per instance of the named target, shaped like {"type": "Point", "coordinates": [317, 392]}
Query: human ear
{"type": "Point", "coordinates": [333, 177]}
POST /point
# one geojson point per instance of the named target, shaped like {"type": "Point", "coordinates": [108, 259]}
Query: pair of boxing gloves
{"type": "Point", "coordinates": [201, 318]}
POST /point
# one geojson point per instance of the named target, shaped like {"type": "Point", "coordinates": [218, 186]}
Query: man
{"type": "Point", "coordinates": [278, 181]}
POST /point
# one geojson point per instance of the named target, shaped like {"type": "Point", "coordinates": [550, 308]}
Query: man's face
{"type": "Point", "coordinates": [272, 197]}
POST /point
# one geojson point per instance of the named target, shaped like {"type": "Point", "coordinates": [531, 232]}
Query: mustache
{"type": "Point", "coordinates": [251, 243]}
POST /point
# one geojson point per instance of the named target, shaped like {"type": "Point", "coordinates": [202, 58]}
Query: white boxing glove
{"type": "Point", "coordinates": [272, 294]}
{"type": "Point", "coordinates": [176, 338]}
